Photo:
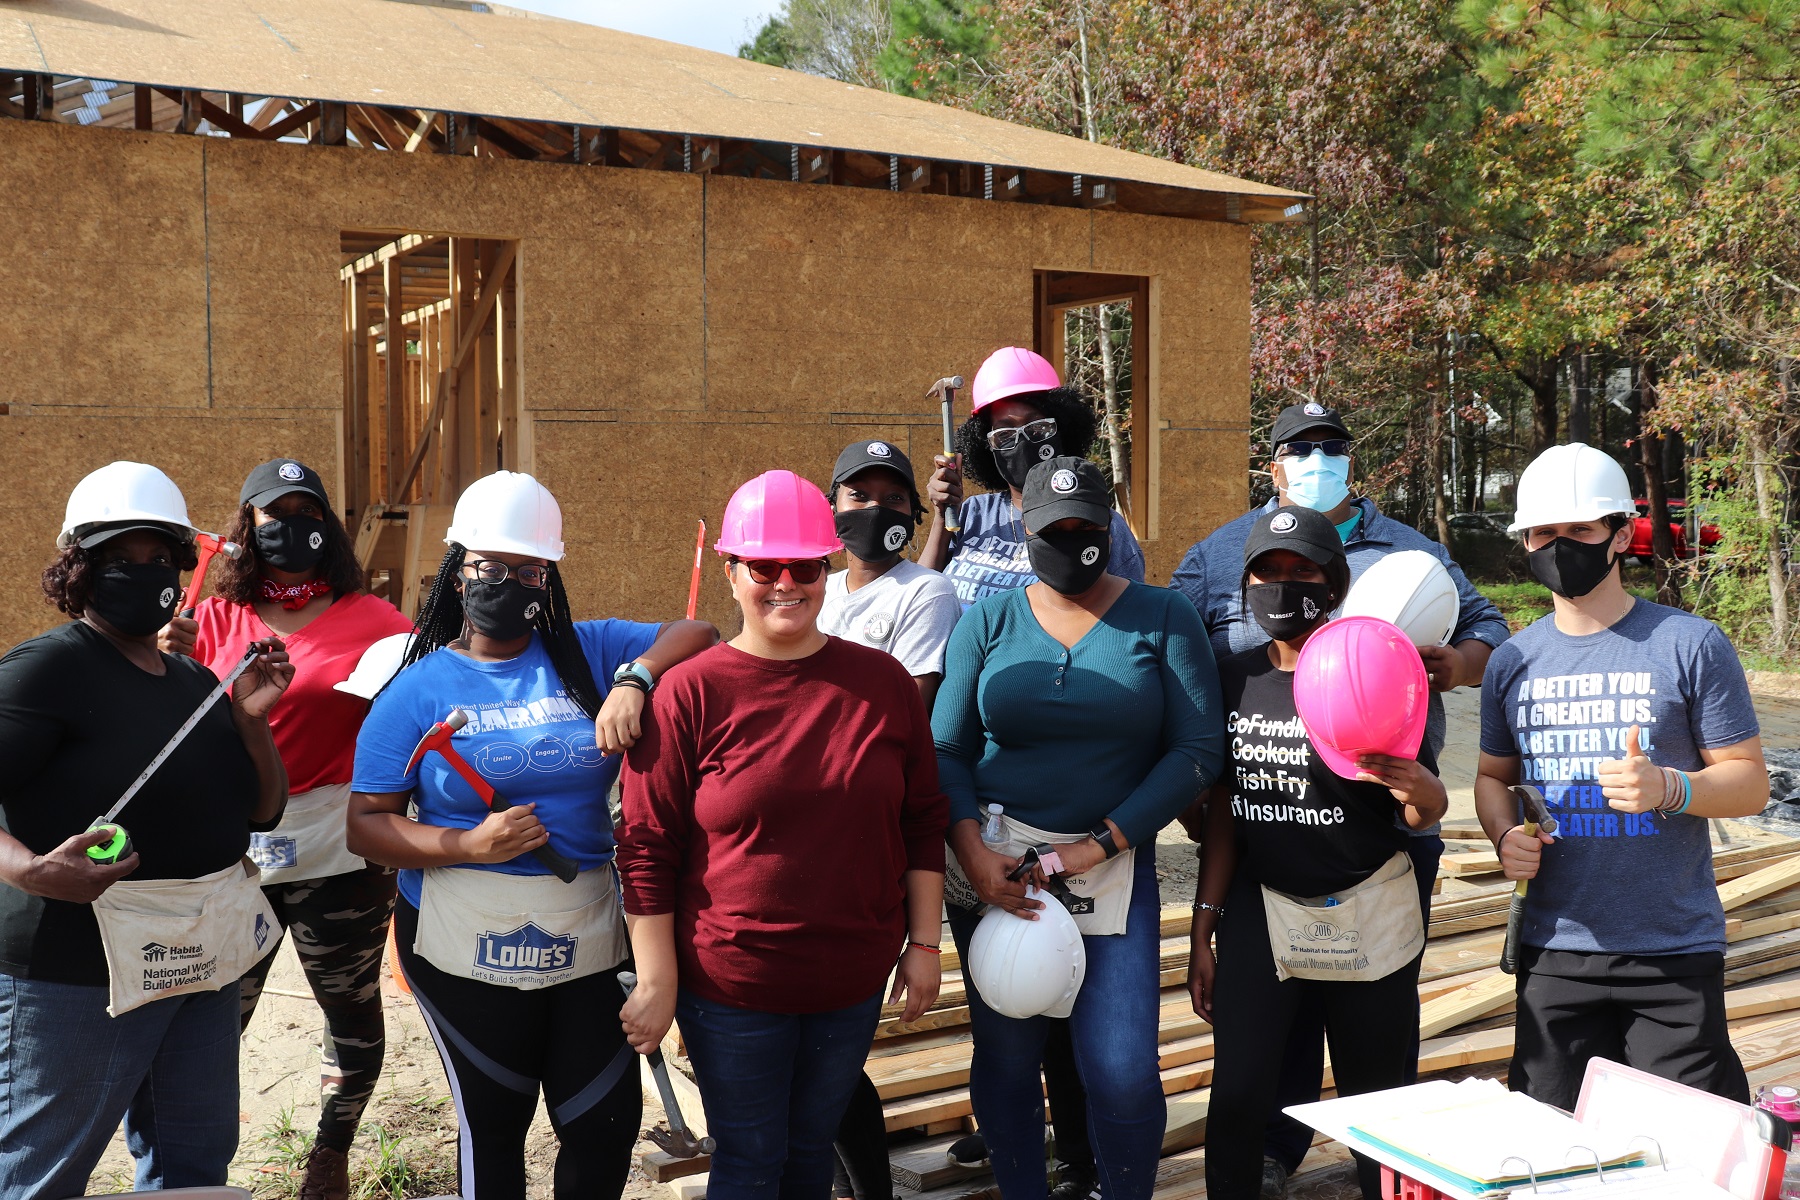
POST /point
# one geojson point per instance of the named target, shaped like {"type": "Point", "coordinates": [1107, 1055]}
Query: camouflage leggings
{"type": "Point", "coordinates": [340, 927]}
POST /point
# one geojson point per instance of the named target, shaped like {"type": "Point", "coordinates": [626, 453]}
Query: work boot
{"type": "Point", "coordinates": [327, 1175]}
{"type": "Point", "coordinates": [1274, 1180]}
{"type": "Point", "coordinates": [1075, 1183]}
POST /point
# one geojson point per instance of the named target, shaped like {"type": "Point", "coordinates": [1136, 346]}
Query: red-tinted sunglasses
{"type": "Point", "coordinates": [768, 570]}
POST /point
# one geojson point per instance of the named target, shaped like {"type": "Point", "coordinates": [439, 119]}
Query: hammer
{"type": "Point", "coordinates": [207, 544]}
{"type": "Point", "coordinates": [677, 1142]}
{"type": "Point", "coordinates": [945, 390]}
{"type": "Point", "coordinates": [438, 738]}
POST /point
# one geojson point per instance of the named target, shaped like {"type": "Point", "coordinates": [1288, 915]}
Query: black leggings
{"type": "Point", "coordinates": [1372, 1028]}
{"type": "Point", "coordinates": [862, 1149]}
{"type": "Point", "coordinates": [500, 1044]}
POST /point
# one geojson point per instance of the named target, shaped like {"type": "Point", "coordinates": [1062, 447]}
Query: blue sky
{"type": "Point", "coordinates": [721, 25]}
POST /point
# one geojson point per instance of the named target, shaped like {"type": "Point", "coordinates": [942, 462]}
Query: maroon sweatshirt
{"type": "Point", "coordinates": [773, 807]}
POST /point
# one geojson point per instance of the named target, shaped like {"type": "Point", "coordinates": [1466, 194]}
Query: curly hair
{"type": "Point", "coordinates": [68, 581]}
{"type": "Point", "coordinates": [1075, 429]}
{"type": "Point", "coordinates": [240, 579]}
{"type": "Point", "coordinates": [441, 621]}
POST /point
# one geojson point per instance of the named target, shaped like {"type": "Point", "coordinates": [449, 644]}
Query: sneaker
{"type": "Point", "coordinates": [1075, 1183]}
{"type": "Point", "coordinates": [970, 1152]}
{"type": "Point", "coordinates": [1274, 1180]}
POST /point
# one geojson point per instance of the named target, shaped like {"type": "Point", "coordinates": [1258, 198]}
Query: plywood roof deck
{"type": "Point", "coordinates": [394, 76]}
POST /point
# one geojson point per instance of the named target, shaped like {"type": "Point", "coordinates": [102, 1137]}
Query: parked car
{"type": "Point", "coordinates": [1642, 530]}
{"type": "Point", "coordinates": [1482, 547]}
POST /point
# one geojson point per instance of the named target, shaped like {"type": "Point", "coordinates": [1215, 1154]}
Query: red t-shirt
{"type": "Point", "coordinates": [314, 724]}
{"type": "Point", "coordinates": [774, 807]}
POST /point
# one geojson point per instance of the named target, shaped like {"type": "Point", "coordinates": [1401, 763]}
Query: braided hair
{"type": "Point", "coordinates": [441, 621]}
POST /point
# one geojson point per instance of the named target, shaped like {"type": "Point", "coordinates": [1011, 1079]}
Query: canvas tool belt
{"type": "Point", "coordinates": [520, 931]}
{"type": "Point", "coordinates": [1371, 931]}
{"type": "Point", "coordinates": [1102, 897]}
{"type": "Point", "coordinates": [166, 937]}
{"type": "Point", "coordinates": [309, 843]}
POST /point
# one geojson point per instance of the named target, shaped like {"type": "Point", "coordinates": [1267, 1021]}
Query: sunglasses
{"type": "Point", "coordinates": [1040, 430]}
{"type": "Point", "coordinates": [768, 570]}
{"type": "Point", "coordinates": [492, 570]}
{"type": "Point", "coordinates": [1330, 447]}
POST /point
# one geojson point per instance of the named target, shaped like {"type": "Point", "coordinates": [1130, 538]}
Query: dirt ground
{"type": "Point", "coordinates": [408, 1145]}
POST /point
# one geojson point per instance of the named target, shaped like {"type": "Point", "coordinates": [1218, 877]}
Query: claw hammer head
{"type": "Point", "coordinates": [206, 545]}
{"type": "Point", "coordinates": [1536, 811]}
{"type": "Point", "coordinates": [945, 388]}
{"type": "Point", "coordinates": [437, 737]}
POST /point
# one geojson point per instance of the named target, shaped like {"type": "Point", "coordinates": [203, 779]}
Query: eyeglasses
{"type": "Point", "coordinates": [492, 570]}
{"type": "Point", "coordinates": [768, 570]}
{"type": "Point", "coordinates": [1330, 447]}
{"type": "Point", "coordinates": [1040, 430]}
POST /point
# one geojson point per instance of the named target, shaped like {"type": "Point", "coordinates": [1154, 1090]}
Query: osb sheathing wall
{"type": "Point", "coordinates": [176, 300]}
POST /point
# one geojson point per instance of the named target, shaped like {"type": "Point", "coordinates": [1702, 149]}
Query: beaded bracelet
{"type": "Point", "coordinates": [1217, 910]}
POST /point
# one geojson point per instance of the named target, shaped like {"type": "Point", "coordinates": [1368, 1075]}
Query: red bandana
{"type": "Point", "coordinates": [296, 597]}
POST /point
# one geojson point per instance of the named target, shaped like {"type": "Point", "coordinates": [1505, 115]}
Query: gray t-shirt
{"type": "Point", "coordinates": [1614, 882]}
{"type": "Point", "coordinates": [908, 612]}
{"type": "Point", "coordinates": [988, 556]}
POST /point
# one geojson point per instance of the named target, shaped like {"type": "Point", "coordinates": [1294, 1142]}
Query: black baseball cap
{"type": "Point", "coordinates": [859, 456]}
{"type": "Point", "coordinates": [1296, 419]}
{"type": "Point", "coordinates": [1308, 533]}
{"type": "Point", "coordinates": [1063, 487]}
{"type": "Point", "coordinates": [278, 477]}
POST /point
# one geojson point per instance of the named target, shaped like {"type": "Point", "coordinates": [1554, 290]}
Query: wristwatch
{"type": "Point", "coordinates": [634, 674]}
{"type": "Point", "coordinates": [1103, 834]}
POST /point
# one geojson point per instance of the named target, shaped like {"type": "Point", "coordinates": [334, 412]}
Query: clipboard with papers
{"type": "Point", "coordinates": [1633, 1136]}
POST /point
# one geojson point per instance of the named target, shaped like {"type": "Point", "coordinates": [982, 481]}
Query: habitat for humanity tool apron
{"type": "Point", "coordinates": [165, 937]}
{"type": "Point", "coordinates": [521, 931]}
{"type": "Point", "coordinates": [1102, 896]}
{"type": "Point", "coordinates": [310, 842]}
{"type": "Point", "coordinates": [1365, 933]}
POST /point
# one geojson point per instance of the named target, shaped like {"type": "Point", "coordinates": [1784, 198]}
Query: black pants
{"type": "Point", "coordinates": [1672, 1027]}
{"type": "Point", "coordinates": [862, 1149]}
{"type": "Point", "coordinates": [499, 1045]}
{"type": "Point", "coordinates": [1373, 1029]}
{"type": "Point", "coordinates": [1303, 1061]}
{"type": "Point", "coordinates": [339, 925]}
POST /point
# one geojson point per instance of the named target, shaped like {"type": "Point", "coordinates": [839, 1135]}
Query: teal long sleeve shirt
{"type": "Point", "coordinates": [1126, 725]}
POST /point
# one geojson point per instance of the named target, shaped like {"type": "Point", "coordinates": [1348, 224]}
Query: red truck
{"type": "Point", "coordinates": [1642, 529]}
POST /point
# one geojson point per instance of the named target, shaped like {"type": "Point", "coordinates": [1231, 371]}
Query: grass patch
{"type": "Point", "coordinates": [1523, 603]}
{"type": "Point", "coordinates": [407, 1155]}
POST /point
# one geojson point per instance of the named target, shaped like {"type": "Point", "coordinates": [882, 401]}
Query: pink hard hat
{"type": "Point", "coordinates": [778, 515]}
{"type": "Point", "coordinates": [1360, 688]}
{"type": "Point", "coordinates": [1012, 371]}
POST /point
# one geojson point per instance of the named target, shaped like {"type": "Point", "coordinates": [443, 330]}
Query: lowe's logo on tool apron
{"type": "Point", "coordinates": [526, 948]}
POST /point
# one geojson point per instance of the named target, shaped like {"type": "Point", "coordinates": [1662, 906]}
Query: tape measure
{"type": "Point", "coordinates": [114, 849]}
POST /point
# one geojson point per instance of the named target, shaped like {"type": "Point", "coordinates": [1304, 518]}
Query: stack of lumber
{"type": "Point", "coordinates": [921, 1069]}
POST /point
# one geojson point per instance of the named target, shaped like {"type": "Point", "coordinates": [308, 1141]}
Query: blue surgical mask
{"type": "Point", "coordinates": [1319, 481]}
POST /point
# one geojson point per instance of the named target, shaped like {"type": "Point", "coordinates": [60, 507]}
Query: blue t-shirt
{"type": "Point", "coordinates": [525, 736]}
{"type": "Point", "coordinates": [988, 556]}
{"type": "Point", "coordinates": [1614, 882]}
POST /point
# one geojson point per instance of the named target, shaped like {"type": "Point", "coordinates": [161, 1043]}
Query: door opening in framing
{"type": "Point", "coordinates": [1096, 329]}
{"type": "Point", "coordinates": [431, 392]}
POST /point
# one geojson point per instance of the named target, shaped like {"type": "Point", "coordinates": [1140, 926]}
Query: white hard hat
{"type": "Point", "coordinates": [509, 512]}
{"type": "Point", "coordinates": [121, 496]}
{"type": "Point", "coordinates": [378, 664]}
{"type": "Point", "coordinates": [1028, 968]}
{"type": "Point", "coordinates": [1571, 483]}
{"type": "Point", "coordinates": [1411, 589]}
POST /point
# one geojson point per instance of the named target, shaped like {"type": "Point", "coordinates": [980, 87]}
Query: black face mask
{"type": "Point", "coordinates": [1015, 462]}
{"type": "Point", "coordinates": [1070, 561]}
{"type": "Point", "coordinates": [503, 611]}
{"type": "Point", "coordinates": [875, 533]}
{"type": "Point", "coordinates": [137, 599]}
{"type": "Point", "coordinates": [1287, 609]}
{"type": "Point", "coordinates": [291, 543]}
{"type": "Point", "coordinates": [1570, 568]}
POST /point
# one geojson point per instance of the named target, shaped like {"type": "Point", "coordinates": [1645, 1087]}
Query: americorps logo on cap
{"type": "Point", "coordinates": [880, 449]}
{"type": "Point", "coordinates": [1314, 409]}
{"type": "Point", "coordinates": [291, 472]}
{"type": "Point", "coordinates": [1063, 481]}
{"type": "Point", "coordinates": [1283, 522]}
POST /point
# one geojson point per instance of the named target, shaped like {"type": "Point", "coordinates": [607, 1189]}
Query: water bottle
{"type": "Point", "coordinates": [993, 833]}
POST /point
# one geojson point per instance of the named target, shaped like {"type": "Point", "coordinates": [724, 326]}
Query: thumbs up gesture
{"type": "Point", "coordinates": [1631, 784]}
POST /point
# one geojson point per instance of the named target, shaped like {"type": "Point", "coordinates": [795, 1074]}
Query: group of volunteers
{"type": "Point", "coordinates": [990, 736]}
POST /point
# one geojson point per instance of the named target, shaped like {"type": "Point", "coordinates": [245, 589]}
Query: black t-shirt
{"type": "Point", "coordinates": [1301, 828]}
{"type": "Point", "coordinates": [78, 722]}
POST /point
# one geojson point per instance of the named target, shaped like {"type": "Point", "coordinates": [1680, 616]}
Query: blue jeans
{"type": "Point", "coordinates": [69, 1073]}
{"type": "Point", "coordinates": [775, 1087]}
{"type": "Point", "coordinates": [1113, 1029]}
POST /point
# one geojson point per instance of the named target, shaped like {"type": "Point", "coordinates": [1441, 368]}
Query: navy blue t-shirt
{"type": "Point", "coordinates": [1614, 882]}
{"type": "Point", "coordinates": [525, 736]}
